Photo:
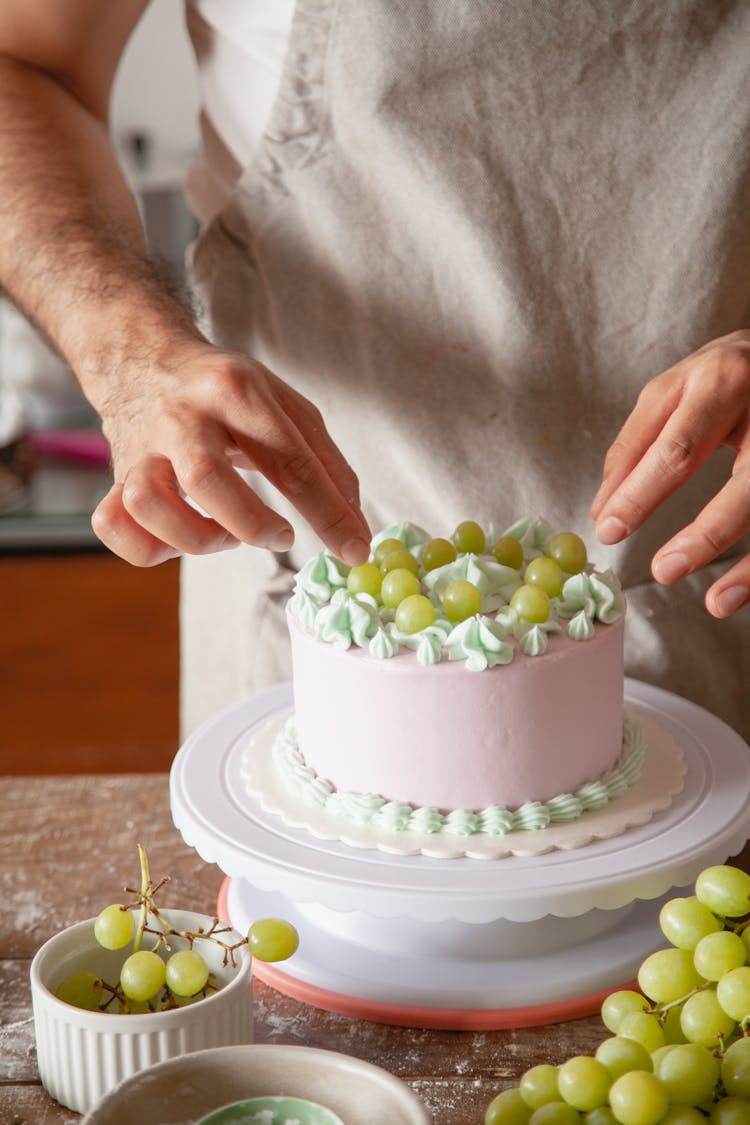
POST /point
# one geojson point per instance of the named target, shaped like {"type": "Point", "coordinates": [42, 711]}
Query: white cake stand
{"type": "Point", "coordinates": [461, 943]}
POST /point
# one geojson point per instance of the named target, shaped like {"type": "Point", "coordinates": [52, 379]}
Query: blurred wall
{"type": "Point", "coordinates": [156, 89]}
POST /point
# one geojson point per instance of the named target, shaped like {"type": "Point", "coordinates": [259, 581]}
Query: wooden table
{"type": "Point", "coordinates": [67, 846]}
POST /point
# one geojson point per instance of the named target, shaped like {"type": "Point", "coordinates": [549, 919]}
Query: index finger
{"type": "Point", "coordinates": [258, 413]}
{"type": "Point", "coordinates": [287, 460]}
{"type": "Point", "coordinates": [702, 419]}
{"type": "Point", "coordinates": [644, 424]}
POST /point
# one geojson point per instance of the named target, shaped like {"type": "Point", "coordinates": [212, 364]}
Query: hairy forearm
{"type": "Point", "coordinates": [72, 252]}
{"type": "Point", "coordinates": [178, 413]}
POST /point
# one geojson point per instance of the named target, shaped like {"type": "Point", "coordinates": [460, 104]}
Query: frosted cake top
{"type": "Point", "coordinates": [474, 597]}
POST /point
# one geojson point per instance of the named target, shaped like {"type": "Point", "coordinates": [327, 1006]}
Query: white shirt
{"type": "Point", "coordinates": [240, 47]}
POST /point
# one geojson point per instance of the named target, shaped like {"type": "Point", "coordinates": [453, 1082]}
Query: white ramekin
{"type": "Point", "coordinates": [82, 1055]}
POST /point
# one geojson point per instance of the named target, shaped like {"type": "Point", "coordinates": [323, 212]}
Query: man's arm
{"type": "Point", "coordinates": [178, 412]}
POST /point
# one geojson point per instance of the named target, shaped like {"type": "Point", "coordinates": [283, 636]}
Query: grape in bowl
{"type": "Point", "coordinates": [82, 1054]}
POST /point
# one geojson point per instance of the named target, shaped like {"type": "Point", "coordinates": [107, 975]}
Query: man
{"type": "Point", "coordinates": [471, 235]}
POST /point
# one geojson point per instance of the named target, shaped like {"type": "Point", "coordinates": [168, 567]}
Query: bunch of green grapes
{"type": "Point", "coordinates": [394, 576]}
{"type": "Point", "coordinates": [679, 1052]}
{"type": "Point", "coordinates": [159, 978]}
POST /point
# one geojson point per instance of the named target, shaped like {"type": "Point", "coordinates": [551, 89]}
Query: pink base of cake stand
{"type": "Point", "coordinates": [401, 1015]}
{"type": "Point", "coordinates": [460, 943]}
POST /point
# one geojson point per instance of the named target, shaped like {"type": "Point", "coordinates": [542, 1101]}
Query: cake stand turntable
{"type": "Point", "coordinates": [460, 943]}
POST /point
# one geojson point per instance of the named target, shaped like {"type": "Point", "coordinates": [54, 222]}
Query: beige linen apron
{"type": "Point", "coordinates": [475, 230]}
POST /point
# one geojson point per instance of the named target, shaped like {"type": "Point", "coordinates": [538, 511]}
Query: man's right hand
{"type": "Point", "coordinates": [179, 430]}
{"type": "Point", "coordinates": [179, 413]}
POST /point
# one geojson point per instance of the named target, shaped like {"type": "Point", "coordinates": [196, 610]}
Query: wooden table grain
{"type": "Point", "coordinates": [67, 847]}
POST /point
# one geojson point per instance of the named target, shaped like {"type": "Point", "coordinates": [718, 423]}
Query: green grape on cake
{"type": "Point", "coordinates": [414, 614]}
{"type": "Point", "coordinates": [508, 552]}
{"type": "Point", "coordinates": [399, 560]}
{"type": "Point", "coordinates": [531, 603]}
{"type": "Point", "coordinates": [365, 579]}
{"type": "Point", "coordinates": [397, 585]}
{"type": "Point", "coordinates": [546, 574]}
{"type": "Point", "coordinates": [569, 552]}
{"type": "Point", "coordinates": [386, 547]}
{"type": "Point", "coordinates": [461, 600]}
{"type": "Point", "coordinates": [469, 538]}
{"type": "Point", "coordinates": [438, 552]}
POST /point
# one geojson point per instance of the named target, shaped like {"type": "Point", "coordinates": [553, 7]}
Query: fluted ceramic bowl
{"type": "Point", "coordinates": [82, 1055]}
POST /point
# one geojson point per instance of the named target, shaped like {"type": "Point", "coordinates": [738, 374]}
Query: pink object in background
{"type": "Point", "coordinates": [88, 446]}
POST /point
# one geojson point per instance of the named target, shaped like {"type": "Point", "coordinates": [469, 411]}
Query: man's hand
{"type": "Point", "coordinates": [179, 414]}
{"type": "Point", "coordinates": [179, 428]}
{"type": "Point", "coordinates": [680, 418]}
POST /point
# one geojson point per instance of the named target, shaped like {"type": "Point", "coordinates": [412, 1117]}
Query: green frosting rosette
{"type": "Point", "coordinates": [581, 627]}
{"type": "Point", "coordinates": [348, 619]}
{"type": "Point", "coordinates": [480, 643]}
{"type": "Point", "coordinates": [495, 582]}
{"type": "Point", "coordinates": [382, 646]}
{"type": "Point", "coordinates": [533, 534]}
{"type": "Point", "coordinates": [427, 643]}
{"type": "Point", "coordinates": [411, 535]}
{"type": "Point", "coordinates": [321, 576]}
{"type": "Point", "coordinates": [598, 596]}
{"type": "Point", "coordinates": [304, 607]}
{"type": "Point", "coordinates": [532, 639]}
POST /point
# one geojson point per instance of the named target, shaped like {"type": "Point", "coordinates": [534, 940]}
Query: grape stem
{"type": "Point", "coordinates": [114, 994]}
{"type": "Point", "coordinates": [144, 896]}
{"type": "Point", "coordinates": [661, 1010]}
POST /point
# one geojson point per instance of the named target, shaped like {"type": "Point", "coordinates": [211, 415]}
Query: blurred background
{"type": "Point", "coordinates": [88, 644]}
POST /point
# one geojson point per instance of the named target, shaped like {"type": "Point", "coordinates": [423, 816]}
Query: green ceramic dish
{"type": "Point", "coordinates": [272, 1111]}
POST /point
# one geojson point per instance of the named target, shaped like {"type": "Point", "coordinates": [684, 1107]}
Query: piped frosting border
{"type": "Point", "coordinates": [661, 777]}
{"type": "Point", "coordinates": [372, 810]}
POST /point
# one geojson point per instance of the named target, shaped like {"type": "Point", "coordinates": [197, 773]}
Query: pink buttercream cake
{"type": "Point", "coordinates": [443, 736]}
{"type": "Point", "coordinates": [505, 706]}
